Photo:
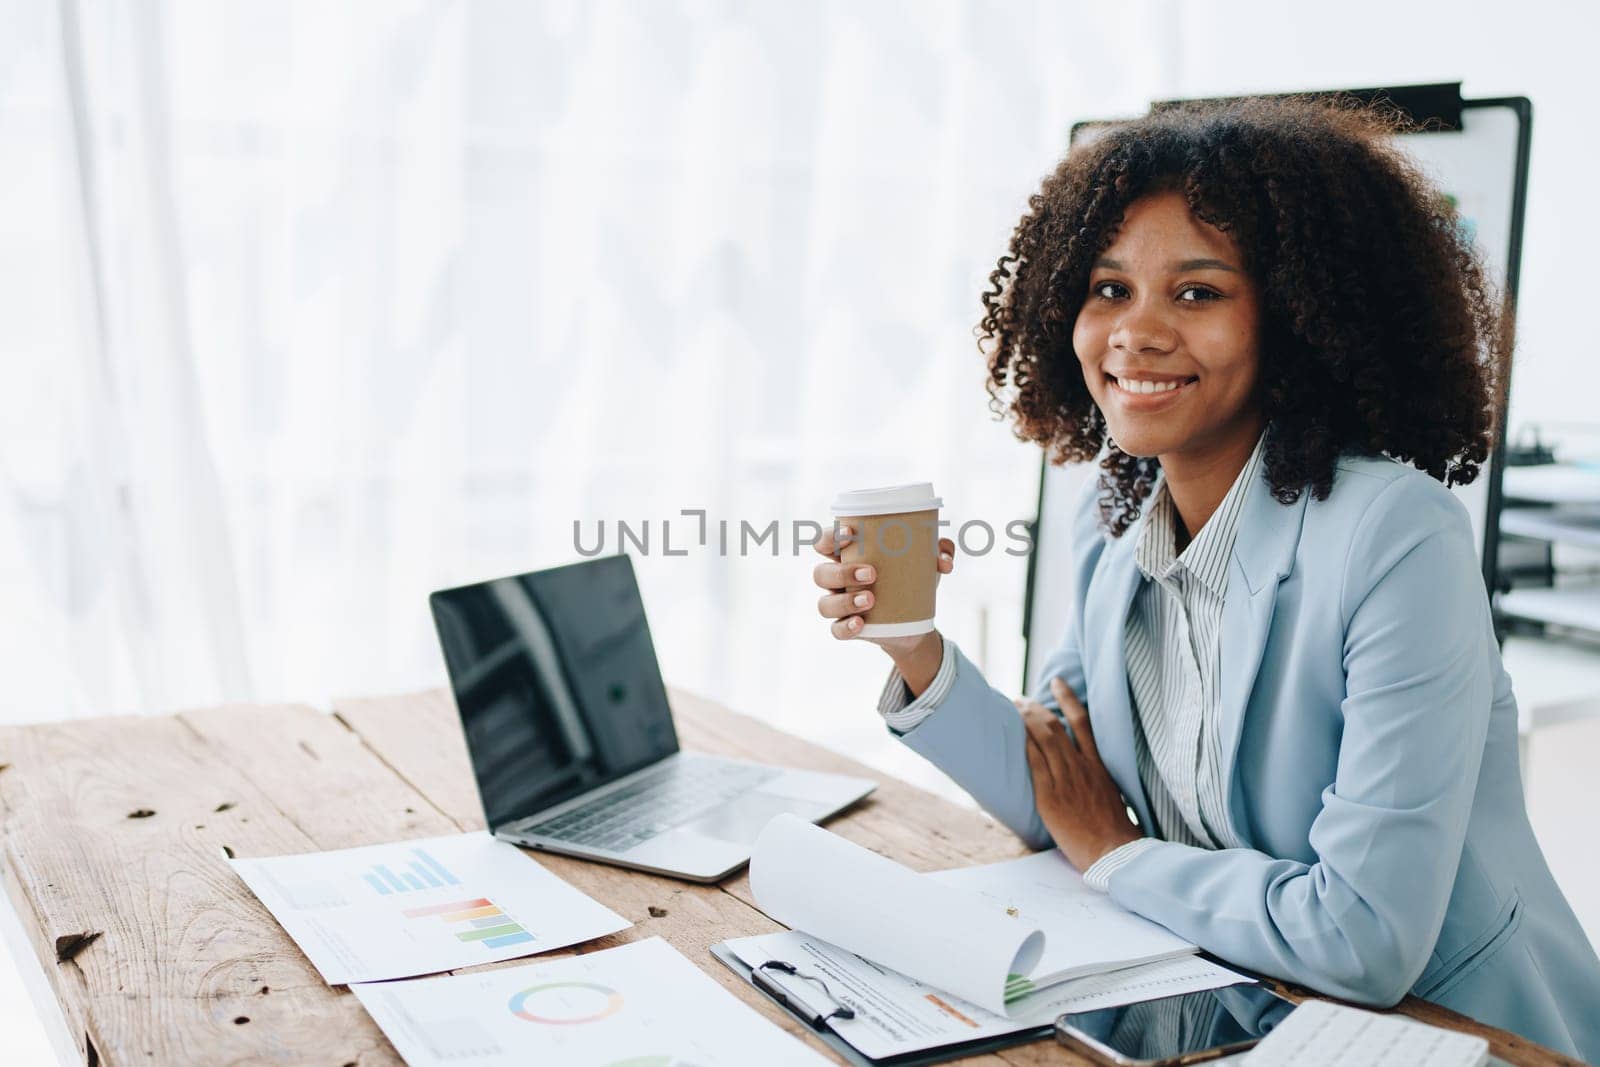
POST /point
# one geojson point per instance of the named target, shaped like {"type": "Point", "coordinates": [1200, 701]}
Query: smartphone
{"type": "Point", "coordinates": [1174, 1031]}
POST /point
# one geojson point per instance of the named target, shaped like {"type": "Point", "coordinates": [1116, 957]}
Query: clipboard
{"type": "Point", "coordinates": [817, 1023]}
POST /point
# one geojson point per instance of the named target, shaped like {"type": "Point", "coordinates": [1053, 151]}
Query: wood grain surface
{"type": "Point", "coordinates": [115, 832]}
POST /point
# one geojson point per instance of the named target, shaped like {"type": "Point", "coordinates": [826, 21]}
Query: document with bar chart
{"type": "Point", "coordinates": [419, 907]}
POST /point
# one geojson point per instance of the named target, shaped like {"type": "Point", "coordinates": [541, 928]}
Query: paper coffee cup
{"type": "Point", "coordinates": [896, 530]}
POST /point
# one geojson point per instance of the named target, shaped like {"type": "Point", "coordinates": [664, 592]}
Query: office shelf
{"type": "Point", "coordinates": [1565, 525]}
{"type": "Point", "coordinates": [1553, 483]}
{"type": "Point", "coordinates": [1556, 669]}
{"type": "Point", "coordinates": [1577, 606]}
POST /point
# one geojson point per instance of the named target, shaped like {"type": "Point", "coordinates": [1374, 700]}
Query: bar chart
{"type": "Point", "coordinates": [377, 912]}
{"type": "Point", "coordinates": [482, 919]}
{"type": "Point", "coordinates": [424, 872]}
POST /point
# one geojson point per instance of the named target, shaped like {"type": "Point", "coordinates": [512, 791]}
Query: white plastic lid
{"type": "Point", "coordinates": [888, 500]}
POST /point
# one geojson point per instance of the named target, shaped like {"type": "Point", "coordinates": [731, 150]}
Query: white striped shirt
{"type": "Point", "coordinates": [1173, 657]}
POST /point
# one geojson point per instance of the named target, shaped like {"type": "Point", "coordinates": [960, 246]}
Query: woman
{"type": "Point", "coordinates": [1277, 339]}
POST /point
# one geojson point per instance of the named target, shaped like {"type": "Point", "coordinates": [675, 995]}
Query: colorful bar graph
{"type": "Point", "coordinates": [502, 930]}
{"type": "Point", "coordinates": [445, 909]}
{"type": "Point", "coordinates": [509, 939]}
{"type": "Point", "coordinates": [486, 923]}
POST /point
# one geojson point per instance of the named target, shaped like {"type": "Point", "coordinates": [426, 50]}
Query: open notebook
{"type": "Point", "coordinates": [991, 935]}
{"type": "Point", "coordinates": [891, 967]}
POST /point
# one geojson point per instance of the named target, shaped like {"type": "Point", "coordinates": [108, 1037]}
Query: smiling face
{"type": "Point", "coordinates": [1167, 337]}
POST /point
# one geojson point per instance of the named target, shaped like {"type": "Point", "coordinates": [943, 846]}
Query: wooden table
{"type": "Point", "coordinates": [115, 831]}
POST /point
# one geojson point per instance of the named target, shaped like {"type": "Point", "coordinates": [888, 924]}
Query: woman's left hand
{"type": "Point", "coordinates": [1077, 799]}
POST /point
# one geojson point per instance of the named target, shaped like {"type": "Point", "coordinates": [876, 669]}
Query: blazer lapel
{"type": "Point", "coordinates": [1263, 555]}
{"type": "Point", "coordinates": [1110, 704]}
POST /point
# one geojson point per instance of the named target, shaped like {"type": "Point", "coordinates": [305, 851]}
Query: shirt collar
{"type": "Point", "coordinates": [1206, 557]}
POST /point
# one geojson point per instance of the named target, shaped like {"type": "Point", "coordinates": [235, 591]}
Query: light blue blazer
{"type": "Point", "coordinates": [1369, 736]}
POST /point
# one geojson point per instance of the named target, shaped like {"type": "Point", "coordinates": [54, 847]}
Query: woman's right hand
{"type": "Point", "coordinates": [844, 606]}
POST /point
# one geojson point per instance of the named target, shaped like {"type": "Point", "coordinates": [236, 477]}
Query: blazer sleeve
{"type": "Point", "coordinates": [1361, 921]}
{"type": "Point", "coordinates": [975, 735]}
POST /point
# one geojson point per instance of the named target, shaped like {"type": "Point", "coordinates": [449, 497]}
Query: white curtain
{"type": "Point", "coordinates": [313, 308]}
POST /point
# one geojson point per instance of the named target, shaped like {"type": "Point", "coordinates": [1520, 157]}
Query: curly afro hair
{"type": "Point", "coordinates": [1379, 333]}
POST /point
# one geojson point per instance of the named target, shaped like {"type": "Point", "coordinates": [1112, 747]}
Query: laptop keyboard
{"type": "Point", "coordinates": [652, 804]}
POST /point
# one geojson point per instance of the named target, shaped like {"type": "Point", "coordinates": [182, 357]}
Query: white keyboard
{"type": "Point", "coordinates": [1320, 1034]}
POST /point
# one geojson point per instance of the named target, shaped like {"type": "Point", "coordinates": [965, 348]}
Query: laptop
{"type": "Point", "coordinates": [571, 735]}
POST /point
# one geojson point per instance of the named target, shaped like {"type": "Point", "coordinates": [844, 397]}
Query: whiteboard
{"type": "Point", "coordinates": [1483, 166]}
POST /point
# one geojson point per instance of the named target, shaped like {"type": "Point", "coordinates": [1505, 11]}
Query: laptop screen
{"type": "Point", "coordinates": [556, 680]}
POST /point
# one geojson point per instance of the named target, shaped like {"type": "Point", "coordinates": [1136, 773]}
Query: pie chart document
{"type": "Point", "coordinates": [420, 907]}
{"type": "Point", "coordinates": [637, 1005]}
